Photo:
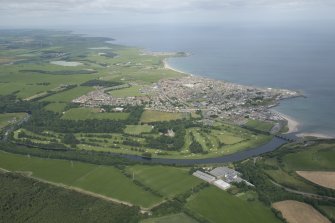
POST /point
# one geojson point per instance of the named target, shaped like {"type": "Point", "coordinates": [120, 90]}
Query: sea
{"type": "Point", "coordinates": [300, 58]}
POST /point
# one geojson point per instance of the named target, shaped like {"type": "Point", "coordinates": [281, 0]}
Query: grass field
{"type": "Point", "coordinates": [92, 113]}
{"type": "Point", "coordinates": [181, 218]}
{"type": "Point", "coordinates": [9, 118]}
{"type": "Point", "coordinates": [219, 206]}
{"type": "Point", "coordinates": [168, 181]}
{"type": "Point", "coordinates": [290, 180]}
{"type": "Point", "coordinates": [330, 210]}
{"type": "Point", "coordinates": [104, 180]}
{"type": "Point", "coordinates": [322, 178]}
{"type": "Point", "coordinates": [138, 129]}
{"type": "Point", "coordinates": [260, 125]}
{"type": "Point", "coordinates": [69, 95]}
{"type": "Point", "coordinates": [156, 116]}
{"type": "Point", "coordinates": [56, 107]}
{"type": "Point", "coordinates": [316, 157]}
{"type": "Point", "coordinates": [127, 92]}
{"type": "Point", "coordinates": [298, 212]}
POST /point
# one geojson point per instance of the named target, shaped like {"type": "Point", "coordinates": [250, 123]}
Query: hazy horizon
{"type": "Point", "coordinates": [74, 13]}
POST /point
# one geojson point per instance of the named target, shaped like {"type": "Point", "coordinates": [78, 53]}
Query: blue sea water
{"type": "Point", "coordinates": [297, 58]}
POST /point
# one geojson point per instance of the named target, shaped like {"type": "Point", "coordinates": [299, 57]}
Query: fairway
{"type": "Point", "coordinates": [218, 206]}
{"type": "Point", "coordinates": [10, 118]}
{"type": "Point", "coordinates": [156, 116]}
{"type": "Point", "coordinates": [138, 129]}
{"type": "Point", "coordinates": [298, 212]}
{"type": "Point", "coordinates": [169, 181]}
{"type": "Point", "coordinates": [104, 180]}
{"type": "Point", "coordinates": [92, 113]}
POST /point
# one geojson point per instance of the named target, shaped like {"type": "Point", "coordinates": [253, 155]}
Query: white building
{"type": "Point", "coordinates": [222, 184]}
{"type": "Point", "coordinates": [204, 176]}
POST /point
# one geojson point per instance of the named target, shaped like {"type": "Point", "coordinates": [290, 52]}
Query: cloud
{"type": "Point", "coordinates": [149, 6]}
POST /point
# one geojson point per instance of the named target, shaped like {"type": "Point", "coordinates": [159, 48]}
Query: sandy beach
{"type": "Point", "coordinates": [291, 123]}
{"type": "Point", "coordinates": [167, 66]}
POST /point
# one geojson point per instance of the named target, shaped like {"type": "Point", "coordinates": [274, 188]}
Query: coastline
{"type": "Point", "coordinates": [169, 67]}
{"type": "Point", "coordinates": [292, 124]}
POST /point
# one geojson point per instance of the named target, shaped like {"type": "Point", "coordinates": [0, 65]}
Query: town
{"type": "Point", "coordinates": [213, 98]}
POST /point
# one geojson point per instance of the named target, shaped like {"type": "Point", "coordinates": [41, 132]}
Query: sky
{"type": "Point", "coordinates": [42, 13]}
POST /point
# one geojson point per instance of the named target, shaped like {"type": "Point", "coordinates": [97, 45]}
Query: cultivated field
{"type": "Point", "coordinates": [298, 212]}
{"type": "Point", "coordinates": [218, 206]}
{"type": "Point", "coordinates": [322, 178]}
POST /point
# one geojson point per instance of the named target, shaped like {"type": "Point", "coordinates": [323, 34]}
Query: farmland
{"type": "Point", "coordinates": [293, 158]}
{"type": "Point", "coordinates": [231, 209]}
{"type": "Point", "coordinates": [322, 178]}
{"type": "Point", "coordinates": [168, 181]}
{"type": "Point", "coordinates": [107, 181]}
{"type": "Point", "coordinates": [298, 212]}
{"type": "Point", "coordinates": [35, 201]}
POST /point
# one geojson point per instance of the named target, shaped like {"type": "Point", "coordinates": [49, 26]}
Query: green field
{"type": "Point", "coordinates": [291, 180]}
{"type": "Point", "coordinates": [137, 129]}
{"type": "Point", "coordinates": [180, 218]}
{"type": "Point", "coordinates": [168, 181]}
{"type": "Point", "coordinates": [24, 199]}
{"type": "Point", "coordinates": [219, 206]}
{"type": "Point", "coordinates": [92, 113]}
{"type": "Point", "coordinates": [56, 107]}
{"type": "Point", "coordinates": [10, 118]}
{"type": "Point", "coordinates": [259, 125]}
{"type": "Point", "coordinates": [127, 92]}
{"type": "Point", "coordinates": [317, 157]}
{"type": "Point", "coordinates": [329, 210]}
{"type": "Point", "coordinates": [107, 181]}
{"type": "Point", "coordinates": [157, 116]}
{"type": "Point", "coordinates": [69, 95]}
